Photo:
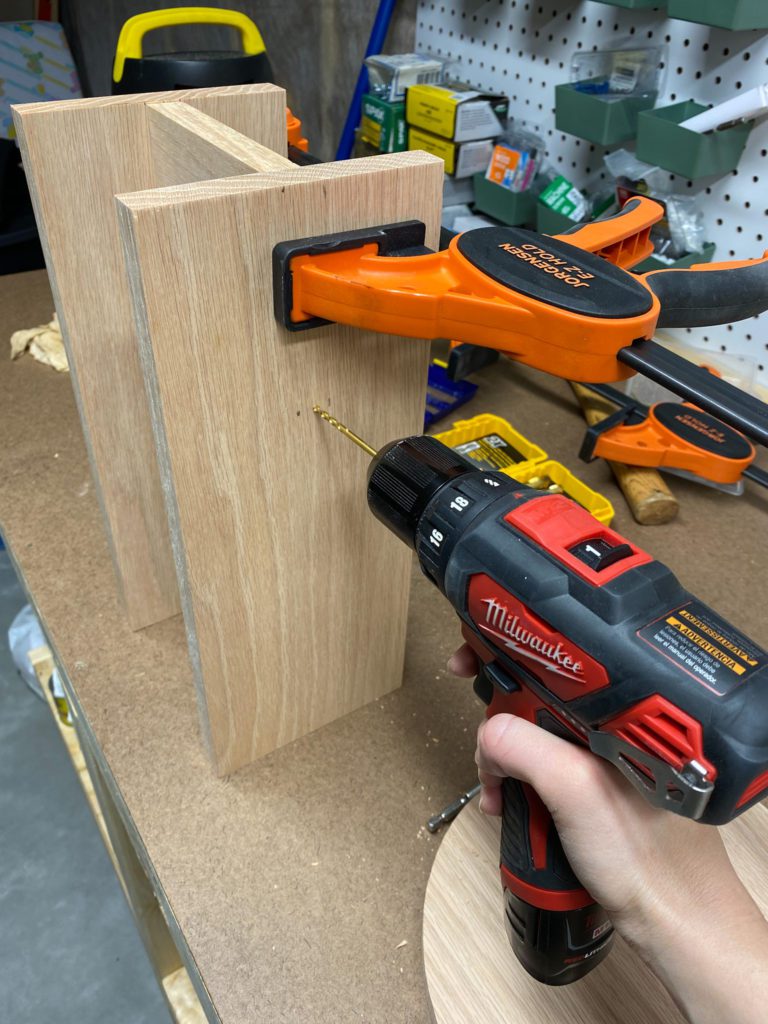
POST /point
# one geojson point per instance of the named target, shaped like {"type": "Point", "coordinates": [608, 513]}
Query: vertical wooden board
{"type": "Point", "coordinates": [295, 598]}
{"type": "Point", "coordinates": [77, 155]}
{"type": "Point", "coordinates": [188, 145]}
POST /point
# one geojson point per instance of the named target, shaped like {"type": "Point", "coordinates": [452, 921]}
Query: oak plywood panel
{"type": "Point", "coordinates": [294, 596]}
{"type": "Point", "coordinates": [472, 973]}
{"type": "Point", "coordinates": [77, 155]}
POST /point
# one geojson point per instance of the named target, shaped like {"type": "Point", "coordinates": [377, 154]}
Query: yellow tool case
{"type": "Point", "coordinates": [495, 444]}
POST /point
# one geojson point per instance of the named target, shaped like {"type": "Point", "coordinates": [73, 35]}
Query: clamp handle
{"type": "Point", "coordinates": [133, 31]}
{"type": "Point", "coordinates": [710, 293]}
{"type": "Point", "coordinates": [623, 239]}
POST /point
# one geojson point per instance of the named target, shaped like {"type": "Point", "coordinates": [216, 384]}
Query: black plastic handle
{"type": "Point", "coordinates": [710, 294]}
{"type": "Point", "coordinates": [527, 823]}
{"type": "Point", "coordinates": [557, 931]}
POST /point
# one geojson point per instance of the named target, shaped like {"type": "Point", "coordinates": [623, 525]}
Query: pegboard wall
{"type": "Point", "coordinates": [523, 48]}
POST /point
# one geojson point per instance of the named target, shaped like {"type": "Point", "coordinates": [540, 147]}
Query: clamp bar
{"type": "Point", "coordinates": [695, 384]}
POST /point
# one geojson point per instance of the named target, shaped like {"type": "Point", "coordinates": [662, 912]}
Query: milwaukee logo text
{"type": "Point", "coordinates": [508, 628]}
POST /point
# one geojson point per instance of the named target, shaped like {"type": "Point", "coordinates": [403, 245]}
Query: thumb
{"type": "Point", "coordinates": [508, 746]}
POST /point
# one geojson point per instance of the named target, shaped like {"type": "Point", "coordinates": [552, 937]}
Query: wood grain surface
{"type": "Point", "coordinates": [77, 154]}
{"type": "Point", "coordinates": [647, 494]}
{"type": "Point", "coordinates": [294, 598]}
{"type": "Point", "coordinates": [188, 145]}
{"type": "Point", "coordinates": [472, 973]}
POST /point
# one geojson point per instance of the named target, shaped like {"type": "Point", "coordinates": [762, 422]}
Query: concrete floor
{"type": "Point", "coordinates": [69, 951]}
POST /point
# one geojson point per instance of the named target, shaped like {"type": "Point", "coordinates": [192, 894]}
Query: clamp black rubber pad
{"type": "Point", "coordinates": [693, 426]}
{"type": "Point", "coordinates": [704, 431]}
{"type": "Point", "coordinates": [555, 273]}
{"type": "Point", "coordinates": [403, 239]}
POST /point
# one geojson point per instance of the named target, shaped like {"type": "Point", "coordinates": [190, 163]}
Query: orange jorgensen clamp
{"type": "Point", "coordinates": [541, 301]}
{"type": "Point", "coordinates": [671, 436]}
{"type": "Point", "coordinates": [565, 304]}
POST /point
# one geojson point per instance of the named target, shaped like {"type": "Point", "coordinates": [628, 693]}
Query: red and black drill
{"type": "Point", "coordinates": [586, 635]}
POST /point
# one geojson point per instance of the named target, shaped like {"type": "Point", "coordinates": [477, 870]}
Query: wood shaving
{"type": "Point", "coordinates": [44, 344]}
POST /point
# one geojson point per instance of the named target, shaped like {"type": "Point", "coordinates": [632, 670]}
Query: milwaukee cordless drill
{"type": "Point", "coordinates": [583, 633]}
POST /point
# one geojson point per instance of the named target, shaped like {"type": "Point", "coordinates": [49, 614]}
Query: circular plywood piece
{"type": "Point", "coordinates": [472, 973]}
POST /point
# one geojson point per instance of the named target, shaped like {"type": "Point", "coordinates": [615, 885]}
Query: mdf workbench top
{"type": "Point", "coordinates": [292, 884]}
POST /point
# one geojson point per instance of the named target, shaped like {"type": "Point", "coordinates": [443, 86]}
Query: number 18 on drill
{"type": "Point", "coordinates": [584, 634]}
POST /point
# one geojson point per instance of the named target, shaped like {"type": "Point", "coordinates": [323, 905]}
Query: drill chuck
{"type": "Point", "coordinates": [404, 476]}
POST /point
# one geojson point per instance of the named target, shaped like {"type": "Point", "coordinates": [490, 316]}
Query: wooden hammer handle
{"type": "Point", "coordinates": [650, 500]}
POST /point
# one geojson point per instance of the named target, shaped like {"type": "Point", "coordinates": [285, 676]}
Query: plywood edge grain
{"type": "Point", "coordinates": [188, 145]}
{"type": "Point", "coordinates": [130, 249]}
{"type": "Point", "coordinates": [50, 108]}
{"type": "Point", "coordinates": [294, 176]}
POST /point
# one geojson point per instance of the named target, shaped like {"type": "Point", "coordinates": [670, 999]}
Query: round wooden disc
{"type": "Point", "coordinates": [472, 973]}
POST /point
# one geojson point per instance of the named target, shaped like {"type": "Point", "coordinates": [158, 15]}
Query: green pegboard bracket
{"type": "Point", "coordinates": [550, 222]}
{"type": "Point", "coordinates": [606, 120]}
{"type": "Point", "coordinates": [512, 208]}
{"type": "Point", "coordinates": [739, 15]}
{"type": "Point", "coordinates": [653, 263]}
{"type": "Point", "coordinates": [662, 142]}
{"type": "Point", "coordinates": [633, 5]}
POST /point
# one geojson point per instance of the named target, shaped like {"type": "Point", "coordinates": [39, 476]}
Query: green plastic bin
{"type": "Point", "coordinates": [734, 14]}
{"type": "Point", "coordinates": [652, 263]}
{"type": "Point", "coordinates": [512, 208]}
{"type": "Point", "coordinates": [605, 120]}
{"type": "Point", "coordinates": [633, 5]}
{"type": "Point", "coordinates": [662, 142]}
{"type": "Point", "coordinates": [550, 222]}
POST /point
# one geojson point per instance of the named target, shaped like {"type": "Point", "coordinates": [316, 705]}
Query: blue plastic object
{"type": "Point", "coordinates": [444, 395]}
{"type": "Point", "coordinates": [375, 44]}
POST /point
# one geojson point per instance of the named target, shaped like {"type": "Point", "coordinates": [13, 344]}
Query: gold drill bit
{"type": "Point", "coordinates": [344, 430]}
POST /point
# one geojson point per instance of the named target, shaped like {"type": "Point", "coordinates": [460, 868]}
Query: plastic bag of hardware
{"type": "Point", "coordinates": [516, 160]}
{"type": "Point", "coordinates": [623, 70]}
{"type": "Point", "coordinates": [24, 635]}
{"type": "Point", "coordinates": [682, 230]}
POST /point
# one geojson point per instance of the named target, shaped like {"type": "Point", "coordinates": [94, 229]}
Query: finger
{"type": "Point", "coordinates": [490, 796]}
{"type": "Point", "coordinates": [463, 662]}
{"type": "Point", "coordinates": [559, 771]}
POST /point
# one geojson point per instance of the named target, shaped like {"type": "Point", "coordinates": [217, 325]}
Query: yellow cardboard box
{"type": "Point", "coordinates": [462, 159]}
{"type": "Point", "coordinates": [456, 111]}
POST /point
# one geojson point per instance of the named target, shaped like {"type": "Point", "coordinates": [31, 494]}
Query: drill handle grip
{"type": "Point", "coordinates": [532, 856]}
{"type": "Point", "coordinates": [556, 929]}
